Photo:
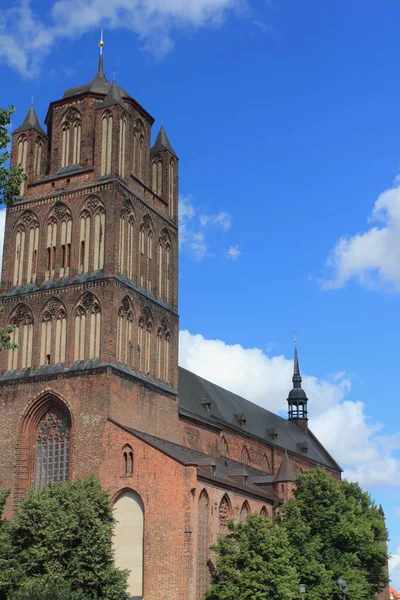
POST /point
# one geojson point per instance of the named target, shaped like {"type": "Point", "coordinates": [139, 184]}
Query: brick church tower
{"type": "Point", "coordinates": [90, 281]}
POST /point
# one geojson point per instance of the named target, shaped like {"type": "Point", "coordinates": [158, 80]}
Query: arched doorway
{"type": "Point", "coordinates": [128, 540]}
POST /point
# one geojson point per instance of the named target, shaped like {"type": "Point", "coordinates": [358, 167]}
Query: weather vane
{"type": "Point", "coordinates": [101, 43]}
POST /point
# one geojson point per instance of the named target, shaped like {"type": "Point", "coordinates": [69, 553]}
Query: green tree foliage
{"type": "Point", "coordinates": [5, 335]}
{"type": "Point", "coordinates": [10, 179]}
{"type": "Point", "coordinates": [53, 589]}
{"type": "Point", "coordinates": [335, 530]}
{"type": "Point", "coordinates": [254, 562]}
{"type": "Point", "coordinates": [62, 533]}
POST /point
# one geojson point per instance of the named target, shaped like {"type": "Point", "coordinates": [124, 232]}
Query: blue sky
{"type": "Point", "coordinates": [285, 115]}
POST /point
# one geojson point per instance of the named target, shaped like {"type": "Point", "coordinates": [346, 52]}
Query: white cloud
{"type": "Point", "coordinates": [2, 225]}
{"type": "Point", "coordinates": [373, 257]}
{"type": "Point", "coordinates": [222, 219]}
{"type": "Point", "coordinates": [26, 39]}
{"type": "Point", "coordinates": [192, 228]}
{"type": "Point", "coordinates": [233, 253]}
{"type": "Point", "coordinates": [342, 425]}
{"type": "Point", "coordinates": [394, 569]}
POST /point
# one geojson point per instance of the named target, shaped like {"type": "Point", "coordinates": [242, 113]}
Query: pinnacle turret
{"type": "Point", "coordinates": [31, 121]}
{"type": "Point", "coordinates": [162, 143]}
{"type": "Point", "coordinates": [297, 399]}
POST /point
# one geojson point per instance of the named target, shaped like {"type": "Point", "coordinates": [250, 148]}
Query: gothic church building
{"type": "Point", "coordinates": [90, 281]}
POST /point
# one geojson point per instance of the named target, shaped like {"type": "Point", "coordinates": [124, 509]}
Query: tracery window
{"type": "Point", "coordinates": [244, 512]}
{"type": "Point", "coordinates": [122, 137]}
{"type": "Point", "coordinates": [21, 158]}
{"type": "Point", "coordinates": [52, 448]}
{"type": "Point", "coordinates": [203, 572]}
{"type": "Point", "coordinates": [106, 143]}
{"type": "Point", "coordinates": [156, 175]}
{"type": "Point", "coordinates": [127, 461]}
{"type": "Point", "coordinates": [224, 514]}
{"type": "Point", "coordinates": [37, 158]}
{"type": "Point", "coordinates": [87, 322]}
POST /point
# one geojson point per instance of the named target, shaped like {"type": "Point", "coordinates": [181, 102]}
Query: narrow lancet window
{"type": "Point", "coordinates": [106, 144]}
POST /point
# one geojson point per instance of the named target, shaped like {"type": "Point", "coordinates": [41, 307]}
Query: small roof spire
{"type": "Point", "coordinates": [285, 472]}
{"type": "Point", "coordinates": [101, 44]}
{"type": "Point", "coordinates": [162, 143]}
{"type": "Point", "coordinates": [297, 398]}
{"type": "Point", "coordinates": [296, 370]}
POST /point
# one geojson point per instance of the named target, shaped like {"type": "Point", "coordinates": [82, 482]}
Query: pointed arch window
{"type": "Point", "coordinates": [76, 142]}
{"type": "Point", "coordinates": [37, 158]}
{"type": "Point", "coordinates": [135, 151]}
{"type": "Point", "coordinates": [22, 337]}
{"type": "Point", "coordinates": [125, 334]}
{"type": "Point", "coordinates": [13, 353]}
{"type": "Point", "coordinates": [245, 456]}
{"type": "Point", "coordinates": [33, 247]}
{"type": "Point", "coordinates": [264, 512]}
{"type": "Point", "coordinates": [22, 157]}
{"type": "Point", "coordinates": [52, 448]}
{"type": "Point", "coordinates": [27, 343]}
{"type": "Point", "coordinates": [224, 515]}
{"type": "Point", "coordinates": [19, 255]}
{"type": "Point", "coordinates": [99, 229]}
{"type": "Point", "coordinates": [141, 157]}
{"type": "Point", "coordinates": [156, 175]}
{"type": "Point", "coordinates": [171, 186]}
{"type": "Point", "coordinates": [223, 447]}
{"type": "Point", "coordinates": [203, 577]}
{"type": "Point", "coordinates": [121, 265]}
{"type": "Point", "coordinates": [245, 511]}
{"type": "Point", "coordinates": [65, 143]}
{"type": "Point", "coordinates": [95, 331]}
{"type": "Point", "coordinates": [51, 248]}
{"type": "Point", "coordinates": [122, 138]}
{"type": "Point", "coordinates": [45, 343]}
{"type": "Point", "coordinates": [167, 272]}
{"type": "Point", "coordinates": [159, 352]}
{"type": "Point", "coordinates": [66, 236]}
{"type": "Point", "coordinates": [127, 461]}
{"type": "Point", "coordinates": [61, 337]}
{"type": "Point", "coordinates": [84, 244]}
{"type": "Point", "coordinates": [80, 333]}
{"type": "Point", "coordinates": [149, 331]}
{"type": "Point", "coordinates": [265, 466]}
{"type": "Point", "coordinates": [106, 143]}
{"type": "Point", "coordinates": [130, 248]}
{"type": "Point", "coordinates": [140, 344]}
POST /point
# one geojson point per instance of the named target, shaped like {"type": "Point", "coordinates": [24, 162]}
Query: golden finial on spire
{"type": "Point", "coordinates": [101, 42]}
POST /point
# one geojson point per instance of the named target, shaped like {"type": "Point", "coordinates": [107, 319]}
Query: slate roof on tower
{"type": "Point", "coordinates": [162, 143]}
{"type": "Point", "coordinates": [204, 401]}
{"type": "Point", "coordinates": [31, 121]}
{"type": "Point", "coordinates": [98, 85]}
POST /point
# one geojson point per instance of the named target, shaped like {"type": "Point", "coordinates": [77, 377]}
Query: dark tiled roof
{"type": "Point", "coordinates": [162, 143]}
{"type": "Point", "coordinates": [98, 85]}
{"type": "Point", "coordinates": [31, 121]}
{"type": "Point", "coordinates": [204, 401]}
{"type": "Point", "coordinates": [113, 98]}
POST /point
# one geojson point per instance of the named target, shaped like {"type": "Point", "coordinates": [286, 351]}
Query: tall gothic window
{"type": "Point", "coordinates": [171, 185]}
{"type": "Point", "coordinates": [22, 337]}
{"type": "Point", "coordinates": [80, 333]}
{"type": "Point", "coordinates": [61, 336]}
{"type": "Point", "coordinates": [223, 447]}
{"type": "Point", "coordinates": [106, 143]}
{"type": "Point", "coordinates": [52, 448]}
{"type": "Point", "coordinates": [145, 331]}
{"type": "Point", "coordinates": [140, 344]}
{"type": "Point", "coordinates": [156, 175]}
{"type": "Point", "coordinates": [160, 269]}
{"type": "Point", "coordinates": [122, 244]}
{"type": "Point", "coordinates": [84, 244]}
{"type": "Point", "coordinates": [66, 235]}
{"type": "Point", "coordinates": [45, 342]}
{"type": "Point", "coordinates": [264, 512]}
{"type": "Point", "coordinates": [147, 348]}
{"type": "Point", "coordinates": [127, 461]}
{"type": "Point", "coordinates": [51, 248]}
{"type": "Point", "coordinates": [21, 158]}
{"type": "Point", "coordinates": [125, 334]}
{"type": "Point", "coordinates": [95, 331]}
{"type": "Point", "coordinates": [135, 151]}
{"type": "Point", "coordinates": [224, 515]}
{"type": "Point", "coordinates": [122, 137]}
{"type": "Point", "coordinates": [65, 141]}
{"type": "Point", "coordinates": [141, 157]}
{"type": "Point", "coordinates": [167, 272]}
{"type": "Point", "coordinates": [245, 456]}
{"type": "Point", "coordinates": [203, 551]}
{"type": "Point", "coordinates": [245, 511]}
{"type": "Point", "coordinates": [33, 247]}
{"type": "Point", "coordinates": [37, 159]}
{"type": "Point", "coordinates": [76, 142]}
{"type": "Point", "coordinates": [99, 228]}
{"type": "Point", "coordinates": [19, 255]}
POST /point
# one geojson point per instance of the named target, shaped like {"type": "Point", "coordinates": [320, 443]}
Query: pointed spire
{"type": "Point", "coordinates": [296, 371]}
{"type": "Point", "coordinates": [162, 143]}
{"type": "Point", "coordinates": [31, 121]}
{"type": "Point", "coordinates": [297, 399]}
{"type": "Point", "coordinates": [100, 69]}
{"type": "Point", "coordinates": [285, 472]}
